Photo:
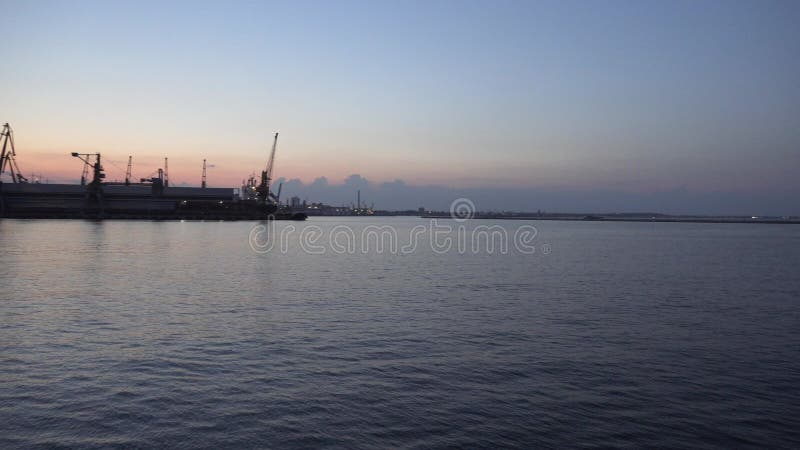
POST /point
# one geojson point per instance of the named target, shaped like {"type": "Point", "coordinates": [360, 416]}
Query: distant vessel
{"type": "Point", "coordinates": [150, 198]}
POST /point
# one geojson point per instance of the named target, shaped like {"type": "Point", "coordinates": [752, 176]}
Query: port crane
{"type": "Point", "coordinates": [263, 190]}
{"type": "Point", "coordinates": [128, 171]}
{"type": "Point", "coordinates": [8, 155]}
{"type": "Point", "coordinates": [97, 168]}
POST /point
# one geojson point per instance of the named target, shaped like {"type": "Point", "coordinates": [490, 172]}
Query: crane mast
{"type": "Point", "coordinates": [203, 182]}
{"type": "Point", "coordinates": [85, 173]}
{"type": "Point", "coordinates": [128, 172]}
{"type": "Point", "coordinates": [166, 173]}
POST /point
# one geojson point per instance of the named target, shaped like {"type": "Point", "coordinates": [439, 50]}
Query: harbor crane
{"type": "Point", "coordinates": [8, 155]}
{"type": "Point", "coordinates": [263, 190]}
{"type": "Point", "coordinates": [91, 160]}
{"type": "Point", "coordinates": [128, 171]}
{"type": "Point", "coordinates": [203, 181]}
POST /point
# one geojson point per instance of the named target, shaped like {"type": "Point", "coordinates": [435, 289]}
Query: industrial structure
{"type": "Point", "coordinates": [8, 162]}
{"type": "Point", "coordinates": [150, 198]}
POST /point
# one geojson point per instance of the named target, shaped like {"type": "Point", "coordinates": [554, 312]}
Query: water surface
{"type": "Point", "coordinates": [139, 334]}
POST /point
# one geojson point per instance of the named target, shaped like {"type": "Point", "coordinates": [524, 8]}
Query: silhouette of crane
{"type": "Point", "coordinates": [128, 171]}
{"type": "Point", "coordinates": [8, 155]}
{"type": "Point", "coordinates": [263, 191]}
{"type": "Point", "coordinates": [203, 182]}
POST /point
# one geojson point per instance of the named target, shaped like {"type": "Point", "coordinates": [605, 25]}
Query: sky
{"type": "Point", "coordinates": [665, 106]}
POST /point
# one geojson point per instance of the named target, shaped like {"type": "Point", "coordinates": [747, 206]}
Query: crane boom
{"type": "Point", "coordinates": [271, 163]}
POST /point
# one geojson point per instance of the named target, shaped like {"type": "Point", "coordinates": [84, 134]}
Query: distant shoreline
{"type": "Point", "coordinates": [605, 218]}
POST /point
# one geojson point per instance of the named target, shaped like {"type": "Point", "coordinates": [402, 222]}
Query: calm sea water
{"type": "Point", "coordinates": [137, 334]}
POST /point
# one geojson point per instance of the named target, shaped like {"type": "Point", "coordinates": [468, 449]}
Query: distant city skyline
{"type": "Point", "coordinates": [676, 107]}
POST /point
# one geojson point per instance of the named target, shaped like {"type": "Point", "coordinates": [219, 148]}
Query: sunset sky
{"type": "Point", "coordinates": [631, 98]}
